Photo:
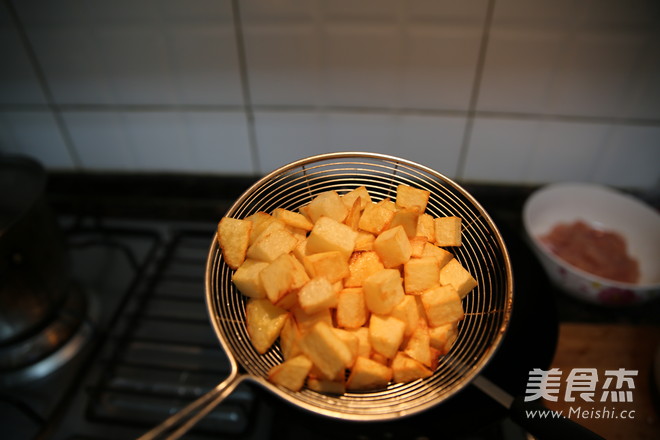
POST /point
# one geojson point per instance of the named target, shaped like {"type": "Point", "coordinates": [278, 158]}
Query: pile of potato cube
{"type": "Point", "coordinates": [359, 293]}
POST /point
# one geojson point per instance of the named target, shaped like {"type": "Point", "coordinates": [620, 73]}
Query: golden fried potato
{"type": "Point", "coordinates": [351, 308]}
{"type": "Point", "coordinates": [442, 305]}
{"type": "Point", "coordinates": [410, 197]}
{"type": "Point", "coordinates": [247, 279]}
{"type": "Point", "coordinates": [327, 204]}
{"type": "Point", "coordinates": [386, 334]}
{"type": "Point", "coordinates": [361, 265]}
{"type": "Point", "coordinates": [318, 294]}
{"type": "Point", "coordinates": [420, 274]}
{"type": "Point", "coordinates": [447, 231]}
{"type": "Point", "coordinates": [383, 290]}
{"type": "Point", "coordinates": [375, 218]}
{"type": "Point", "coordinates": [264, 322]}
{"type": "Point", "coordinates": [331, 265]}
{"type": "Point", "coordinates": [393, 247]}
{"type": "Point", "coordinates": [406, 369]}
{"type": "Point", "coordinates": [368, 374]}
{"type": "Point", "coordinates": [328, 352]}
{"type": "Point", "coordinates": [330, 235]}
{"type": "Point", "coordinates": [233, 237]}
{"type": "Point", "coordinates": [453, 273]}
{"type": "Point", "coordinates": [291, 373]}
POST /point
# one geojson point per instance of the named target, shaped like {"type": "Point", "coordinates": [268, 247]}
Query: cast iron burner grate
{"type": "Point", "coordinates": [162, 354]}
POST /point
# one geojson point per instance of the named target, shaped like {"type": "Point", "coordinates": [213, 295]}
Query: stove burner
{"type": "Point", "coordinates": [53, 344]}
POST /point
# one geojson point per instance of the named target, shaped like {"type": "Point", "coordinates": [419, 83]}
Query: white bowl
{"type": "Point", "coordinates": [602, 208]}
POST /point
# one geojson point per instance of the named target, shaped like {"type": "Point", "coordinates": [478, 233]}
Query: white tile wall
{"type": "Point", "coordinates": [363, 54]}
{"type": "Point", "coordinates": [201, 142]}
{"type": "Point", "coordinates": [18, 82]}
{"type": "Point", "coordinates": [117, 53]}
{"type": "Point", "coordinates": [284, 137]}
{"type": "Point", "coordinates": [35, 134]}
{"type": "Point", "coordinates": [538, 91]}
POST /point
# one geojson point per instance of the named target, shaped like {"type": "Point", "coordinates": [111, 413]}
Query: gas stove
{"type": "Point", "coordinates": [146, 347]}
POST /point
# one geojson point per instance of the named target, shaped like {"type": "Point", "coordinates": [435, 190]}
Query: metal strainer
{"type": "Point", "coordinates": [483, 253]}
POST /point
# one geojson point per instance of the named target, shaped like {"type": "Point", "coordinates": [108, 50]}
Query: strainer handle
{"type": "Point", "coordinates": [178, 424]}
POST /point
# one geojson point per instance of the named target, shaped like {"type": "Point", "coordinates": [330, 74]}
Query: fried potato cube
{"type": "Point", "coordinates": [288, 301]}
{"type": "Point", "coordinates": [264, 322]}
{"type": "Point", "coordinates": [364, 344]}
{"type": "Point", "coordinates": [364, 241]}
{"type": "Point", "coordinates": [407, 311]}
{"type": "Point", "coordinates": [443, 337]}
{"type": "Point", "coordinates": [326, 386]}
{"type": "Point", "coordinates": [406, 369]}
{"type": "Point", "coordinates": [418, 346]}
{"type": "Point", "coordinates": [293, 219]}
{"type": "Point", "coordinates": [306, 320]}
{"type": "Point", "coordinates": [375, 356]}
{"type": "Point", "coordinates": [316, 295]}
{"type": "Point", "coordinates": [426, 226]}
{"type": "Point", "coordinates": [420, 274]}
{"type": "Point", "coordinates": [331, 265]}
{"type": "Point", "coordinates": [447, 231]}
{"type": "Point", "coordinates": [383, 291]}
{"type": "Point", "coordinates": [331, 235]}
{"type": "Point", "coordinates": [417, 244]}
{"type": "Point", "coordinates": [299, 234]}
{"type": "Point", "coordinates": [247, 280]}
{"type": "Point", "coordinates": [455, 274]}
{"type": "Point", "coordinates": [317, 373]}
{"type": "Point", "coordinates": [300, 250]}
{"type": "Point", "coordinates": [277, 277]}
{"type": "Point", "coordinates": [260, 221]}
{"type": "Point", "coordinates": [442, 305]}
{"type": "Point", "coordinates": [393, 247]}
{"type": "Point", "coordinates": [351, 308]}
{"type": "Point", "coordinates": [327, 204]}
{"type": "Point", "coordinates": [442, 255]}
{"type": "Point", "coordinates": [353, 216]}
{"type": "Point", "coordinates": [328, 352]}
{"type": "Point", "coordinates": [386, 334]}
{"type": "Point", "coordinates": [352, 342]}
{"type": "Point", "coordinates": [411, 197]}
{"type": "Point", "coordinates": [291, 373]}
{"type": "Point", "coordinates": [361, 193]}
{"type": "Point", "coordinates": [388, 203]}
{"type": "Point", "coordinates": [271, 245]}
{"type": "Point", "coordinates": [375, 218]}
{"type": "Point", "coordinates": [268, 226]}
{"type": "Point", "coordinates": [233, 237]}
{"type": "Point", "coordinates": [406, 217]}
{"type": "Point", "coordinates": [361, 265]}
{"type": "Point", "coordinates": [299, 273]}
{"type": "Point", "coordinates": [368, 374]}
{"type": "Point", "coordinates": [290, 339]}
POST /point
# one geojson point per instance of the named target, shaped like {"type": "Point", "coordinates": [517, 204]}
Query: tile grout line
{"type": "Point", "coordinates": [486, 114]}
{"type": "Point", "coordinates": [476, 86]}
{"type": "Point", "coordinates": [245, 85]}
{"type": "Point", "coordinates": [45, 87]}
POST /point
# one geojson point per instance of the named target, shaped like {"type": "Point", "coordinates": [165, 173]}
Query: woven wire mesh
{"type": "Point", "coordinates": [482, 252]}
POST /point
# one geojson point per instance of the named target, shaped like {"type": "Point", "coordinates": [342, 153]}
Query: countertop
{"type": "Point", "coordinates": [589, 336]}
{"type": "Point", "coordinates": [611, 347]}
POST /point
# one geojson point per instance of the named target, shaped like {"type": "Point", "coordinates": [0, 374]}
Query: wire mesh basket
{"type": "Point", "coordinates": [482, 252]}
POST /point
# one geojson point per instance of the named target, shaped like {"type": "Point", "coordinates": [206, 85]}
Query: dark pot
{"type": "Point", "coordinates": [34, 266]}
